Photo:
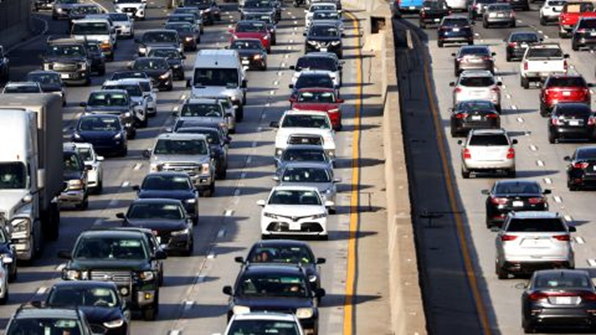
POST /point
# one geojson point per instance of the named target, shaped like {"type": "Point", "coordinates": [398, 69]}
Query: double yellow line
{"type": "Point", "coordinates": [354, 193]}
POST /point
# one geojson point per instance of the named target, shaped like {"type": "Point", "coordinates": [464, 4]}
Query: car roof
{"type": "Point", "coordinates": [126, 81]}
{"type": "Point", "coordinates": [167, 173]}
{"type": "Point", "coordinates": [317, 89]}
{"type": "Point", "coordinates": [535, 215]}
{"type": "Point", "coordinates": [44, 72]}
{"type": "Point", "coordinates": [156, 201]}
{"type": "Point", "coordinates": [304, 147]}
{"type": "Point", "coordinates": [22, 83]}
{"type": "Point", "coordinates": [111, 233]}
{"type": "Point", "coordinates": [201, 101]}
{"type": "Point", "coordinates": [101, 116]}
{"type": "Point", "coordinates": [269, 316]}
{"type": "Point", "coordinates": [58, 313]}
{"type": "Point", "coordinates": [280, 242]}
{"type": "Point", "coordinates": [306, 164]}
{"type": "Point", "coordinates": [476, 73]}
{"type": "Point", "coordinates": [517, 181]}
{"type": "Point", "coordinates": [294, 188]}
{"type": "Point", "coordinates": [273, 268]}
{"type": "Point", "coordinates": [160, 31]}
{"type": "Point", "coordinates": [110, 91]}
{"type": "Point", "coordinates": [181, 136]}
{"type": "Point", "coordinates": [85, 283]}
{"type": "Point", "coordinates": [562, 272]}
{"type": "Point", "coordinates": [301, 112]}
{"type": "Point", "coordinates": [92, 20]}
{"type": "Point", "coordinates": [488, 132]}
{"type": "Point", "coordinates": [315, 73]}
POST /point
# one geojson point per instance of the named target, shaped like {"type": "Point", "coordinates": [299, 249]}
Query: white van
{"type": "Point", "coordinates": [218, 72]}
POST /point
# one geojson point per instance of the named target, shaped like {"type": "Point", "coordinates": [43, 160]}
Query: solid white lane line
{"type": "Point", "coordinates": [520, 119]}
{"type": "Point", "coordinates": [533, 147]}
{"type": "Point", "coordinates": [579, 240]}
{"type": "Point", "coordinates": [41, 290]}
{"type": "Point", "coordinates": [211, 255]}
{"type": "Point", "coordinates": [548, 181]}
{"type": "Point", "coordinates": [592, 262]}
{"type": "Point", "coordinates": [248, 160]}
{"type": "Point", "coordinates": [61, 267]}
{"type": "Point", "coordinates": [558, 199]}
{"type": "Point", "coordinates": [508, 96]}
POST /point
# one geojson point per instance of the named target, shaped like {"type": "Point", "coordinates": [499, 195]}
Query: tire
{"type": "Point", "coordinates": [454, 133]}
{"type": "Point", "coordinates": [12, 276]}
{"type": "Point", "coordinates": [543, 111]}
{"type": "Point", "coordinates": [543, 21]}
{"type": "Point", "coordinates": [4, 299]}
{"type": "Point", "coordinates": [223, 174]}
{"type": "Point", "coordinates": [511, 173]}
{"type": "Point", "coordinates": [485, 24]}
{"type": "Point", "coordinates": [84, 205]}
{"type": "Point", "coordinates": [124, 152]}
{"type": "Point", "coordinates": [528, 327]}
{"type": "Point", "coordinates": [508, 57]}
{"type": "Point", "coordinates": [512, 24]}
{"type": "Point", "coordinates": [208, 193]}
{"type": "Point", "coordinates": [422, 25]}
{"type": "Point", "coordinates": [552, 139]}
{"type": "Point", "coordinates": [489, 222]}
{"type": "Point", "coordinates": [145, 122]}
{"type": "Point", "coordinates": [240, 114]}
{"type": "Point", "coordinates": [572, 187]}
{"type": "Point", "coordinates": [501, 273]}
{"type": "Point", "coordinates": [456, 71]}
{"type": "Point", "coordinates": [323, 238]}
{"type": "Point", "coordinates": [465, 174]}
{"type": "Point", "coordinates": [150, 314]}
{"type": "Point", "coordinates": [189, 251]}
{"type": "Point", "coordinates": [99, 187]}
{"type": "Point", "coordinates": [574, 45]}
{"type": "Point", "coordinates": [439, 44]}
{"type": "Point", "coordinates": [471, 42]}
{"type": "Point", "coordinates": [525, 83]}
{"type": "Point", "coordinates": [102, 71]}
{"type": "Point", "coordinates": [52, 229]}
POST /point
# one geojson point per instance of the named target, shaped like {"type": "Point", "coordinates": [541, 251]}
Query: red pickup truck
{"type": "Point", "coordinates": [571, 13]}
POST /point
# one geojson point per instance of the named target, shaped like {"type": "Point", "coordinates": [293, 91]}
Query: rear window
{"type": "Point", "coordinates": [557, 280]}
{"type": "Point", "coordinates": [489, 140]}
{"type": "Point", "coordinates": [524, 38]}
{"type": "Point", "coordinates": [566, 82]}
{"type": "Point", "coordinates": [545, 52]}
{"type": "Point", "coordinates": [518, 188]}
{"type": "Point", "coordinates": [536, 225]}
{"type": "Point", "coordinates": [575, 110]}
{"type": "Point", "coordinates": [587, 24]}
{"type": "Point", "coordinates": [589, 153]}
{"type": "Point", "coordinates": [477, 81]}
{"type": "Point", "coordinates": [579, 7]}
{"type": "Point", "coordinates": [459, 22]}
{"type": "Point", "coordinates": [475, 51]}
{"type": "Point", "coordinates": [499, 7]}
{"type": "Point", "coordinates": [556, 2]}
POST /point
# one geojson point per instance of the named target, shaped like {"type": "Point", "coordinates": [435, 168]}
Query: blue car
{"type": "Point", "coordinates": [104, 132]}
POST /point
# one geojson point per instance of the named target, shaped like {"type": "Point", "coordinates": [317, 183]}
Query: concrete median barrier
{"type": "Point", "coordinates": [15, 22]}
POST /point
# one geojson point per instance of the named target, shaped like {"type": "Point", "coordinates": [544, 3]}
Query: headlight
{"type": "Point", "coordinates": [257, 57]}
{"type": "Point", "coordinates": [48, 66]}
{"type": "Point", "coordinates": [20, 225]}
{"type": "Point", "coordinates": [146, 275]}
{"type": "Point", "coordinates": [165, 75]}
{"type": "Point", "coordinates": [278, 152]}
{"type": "Point", "coordinates": [142, 50]}
{"type": "Point", "coordinates": [205, 168]}
{"type": "Point", "coordinates": [190, 201]}
{"type": "Point", "coordinates": [335, 43]}
{"type": "Point", "coordinates": [312, 278]}
{"type": "Point", "coordinates": [154, 167]}
{"type": "Point", "coordinates": [76, 136]}
{"type": "Point", "coordinates": [118, 136]}
{"type": "Point", "coordinates": [189, 38]}
{"type": "Point", "coordinates": [83, 66]}
{"type": "Point", "coordinates": [270, 215]}
{"type": "Point", "coordinates": [180, 232]}
{"type": "Point", "coordinates": [114, 323]}
{"type": "Point", "coordinates": [241, 310]}
{"type": "Point", "coordinates": [59, 10]}
{"type": "Point", "coordinates": [72, 275]}
{"type": "Point", "coordinates": [176, 66]}
{"type": "Point", "coordinates": [127, 114]}
{"type": "Point", "coordinates": [312, 42]}
{"type": "Point", "coordinates": [234, 98]}
{"type": "Point", "coordinates": [331, 153]}
{"type": "Point", "coordinates": [76, 184]}
{"type": "Point", "coordinates": [319, 216]}
{"type": "Point", "coordinates": [304, 313]}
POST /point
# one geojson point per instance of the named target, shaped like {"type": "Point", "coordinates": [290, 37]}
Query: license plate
{"type": "Point", "coordinates": [294, 226]}
{"type": "Point", "coordinates": [500, 15]}
{"type": "Point", "coordinates": [412, 7]}
{"type": "Point", "coordinates": [245, 62]}
{"type": "Point", "coordinates": [518, 204]}
{"type": "Point", "coordinates": [64, 76]}
{"type": "Point", "coordinates": [574, 123]}
{"type": "Point", "coordinates": [566, 94]}
{"type": "Point", "coordinates": [563, 300]}
{"type": "Point", "coordinates": [323, 49]}
{"type": "Point", "coordinates": [524, 45]}
{"type": "Point", "coordinates": [456, 30]}
{"type": "Point", "coordinates": [476, 118]}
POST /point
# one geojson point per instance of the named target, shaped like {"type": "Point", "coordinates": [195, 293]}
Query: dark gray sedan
{"type": "Point", "coordinates": [498, 14]}
{"type": "Point", "coordinates": [474, 57]}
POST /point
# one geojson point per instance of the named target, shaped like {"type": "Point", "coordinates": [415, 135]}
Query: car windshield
{"type": "Point", "coordinates": [315, 8]}
{"type": "Point", "coordinates": [166, 183]}
{"type": "Point", "coordinates": [107, 247]}
{"type": "Point", "coordinates": [524, 37]}
{"type": "Point", "coordinates": [201, 110]}
{"type": "Point", "coordinates": [21, 89]}
{"type": "Point", "coordinates": [306, 175]}
{"type": "Point", "coordinates": [160, 37]}
{"type": "Point", "coordinates": [305, 81]}
{"type": "Point", "coordinates": [480, 81]}
{"type": "Point", "coordinates": [499, 7]}
{"type": "Point", "coordinates": [459, 22]}
{"type": "Point", "coordinates": [91, 28]}
{"type": "Point", "coordinates": [216, 77]}
{"type": "Point", "coordinates": [573, 110]}
{"type": "Point", "coordinates": [281, 254]}
{"type": "Point", "coordinates": [165, 211]}
{"type": "Point", "coordinates": [145, 86]}
{"type": "Point", "coordinates": [562, 280]}
{"type": "Point", "coordinates": [212, 135]}
{"type": "Point", "coordinates": [518, 188]}
{"type": "Point", "coordinates": [488, 140]}
{"type": "Point", "coordinates": [258, 4]}
{"type": "Point", "coordinates": [333, 15]}
{"type": "Point", "coordinates": [258, 17]}
{"type": "Point", "coordinates": [546, 225]}
{"type": "Point", "coordinates": [118, 17]}
{"type": "Point", "coordinates": [316, 63]}
{"type": "Point", "coordinates": [476, 106]}
{"type": "Point", "coordinates": [44, 326]}
{"type": "Point", "coordinates": [180, 147]}
{"type": "Point", "coordinates": [99, 124]}
{"type": "Point", "coordinates": [294, 197]}
{"type": "Point", "coordinates": [182, 18]}
{"type": "Point", "coordinates": [181, 28]}
{"type": "Point", "coordinates": [323, 31]}
{"type": "Point", "coordinates": [13, 175]}
{"type": "Point", "coordinates": [93, 47]}
{"type": "Point", "coordinates": [578, 7]}
{"type": "Point", "coordinates": [83, 10]}
{"type": "Point", "coordinates": [128, 1]}
{"type": "Point", "coordinates": [165, 53]}
{"type": "Point", "coordinates": [151, 64]}
{"type": "Point", "coordinates": [75, 50]}
{"type": "Point", "coordinates": [85, 153]}
{"type": "Point", "coordinates": [72, 162]}
{"type": "Point", "coordinates": [544, 53]}
{"type": "Point", "coordinates": [262, 327]}
{"type": "Point", "coordinates": [108, 99]}
{"type": "Point", "coordinates": [242, 45]}
{"type": "Point", "coordinates": [304, 155]}
{"type": "Point", "coordinates": [587, 24]}
{"type": "Point", "coordinates": [586, 153]}
{"type": "Point", "coordinates": [128, 74]}
{"type": "Point", "coordinates": [252, 27]}
{"type": "Point", "coordinates": [133, 90]}
{"type": "Point", "coordinates": [556, 2]}
{"type": "Point", "coordinates": [272, 285]}
{"type": "Point", "coordinates": [305, 121]}
{"type": "Point", "coordinates": [83, 296]}
{"type": "Point", "coordinates": [321, 97]}
{"type": "Point", "coordinates": [67, 1]}
{"type": "Point", "coordinates": [475, 51]}
{"type": "Point", "coordinates": [566, 82]}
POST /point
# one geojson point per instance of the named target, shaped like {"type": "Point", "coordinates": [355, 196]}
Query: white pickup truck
{"type": "Point", "coordinates": [304, 127]}
{"type": "Point", "coordinates": [541, 61]}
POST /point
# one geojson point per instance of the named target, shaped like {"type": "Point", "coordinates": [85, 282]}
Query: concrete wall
{"type": "Point", "coordinates": [14, 21]}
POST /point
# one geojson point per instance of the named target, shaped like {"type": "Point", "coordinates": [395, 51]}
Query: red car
{"type": "Point", "coordinates": [571, 13]}
{"type": "Point", "coordinates": [319, 99]}
{"type": "Point", "coordinates": [252, 29]}
{"type": "Point", "coordinates": [563, 88]}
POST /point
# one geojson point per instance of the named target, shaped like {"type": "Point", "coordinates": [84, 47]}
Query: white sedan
{"type": "Point", "coordinates": [294, 210]}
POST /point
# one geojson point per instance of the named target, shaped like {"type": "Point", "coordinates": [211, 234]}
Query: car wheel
{"type": "Point", "coordinates": [543, 21]}
{"type": "Point", "coordinates": [439, 43]}
{"type": "Point", "coordinates": [454, 132]}
{"type": "Point", "coordinates": [528, 327]}
{"type": "Point", "coordinates": [465, 174]}
{"type": "Point", "coordinates": [572, 187]}
{"type": "Point", "coordinates": [512, 24]}
{"type": "Point", "coordinates": [574, 45]}
{"type": "Point", "coordinates": [84, 205]}
{"type": "Point", "coordinates": [471, 42]}
{"type": "Point", "coordinates": [13, 274]}
{"type": "Point", "coordinates": [191, 247]}
{"type": "Point", "coordinates": [422, 25]}
{"type": "Point", "coordinates": [99, 187]}
{"type": "Point", "coordinates": [4, 299]}
{"type": "Point", "coordinates": [489, 222]}
{"type": "Point", "coordinates": [456, 71]}
{"type": "Point", "coordinates": [150, 314]}
{"type": "Point", "coordinates": [124, 152]}
{"type": "Point", "coordinates": [525, 83]}
{"type": "Point", "coordinates": [145, 122]}
{"type": "Point", "coordinates": [552, 139]}
{"type": "Point", "coordinates": [484, 24]}
{"type": "Point", "coordinates": [240, 114]}
{"type": "Point", "coordinates": [501, 273]}
{"type": "Point", "coordinates": [511, 173]}
{"type": "Point", "coordinates": [223, 173]}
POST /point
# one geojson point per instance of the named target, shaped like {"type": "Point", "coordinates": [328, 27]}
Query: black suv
{"type": "Point", "coordinates": [275, 288]}
{"type": "Point", "coordinates": [171, 185]}
{"type": "Point", "coordinates": [69, 57]}
{"type": "Point", "coordinates": [584, 34]}
{"type": "Point", "coordinates": [31, 319]}
{"type": "Point", "coordinates": [581, 170]}
{"type": "Point", "coordinates": [455, 29]}
{"type": "Point", "coordinates": [571, 120]}
{"type": "Point", "coordinates": [123, 257]}
{"type": "Point", "coordinates": [513, 195]}
{"type": "Point", "coordinates": [325, 37]}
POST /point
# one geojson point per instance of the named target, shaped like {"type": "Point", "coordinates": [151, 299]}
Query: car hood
{"type": "Point", "coordinates": [64, 60]}
{"type": "Point", "coordinates": [161, 225]}
{"type": "Point", "coordinates": [213, 91]}
{"type": "Point", "coordinates": [315, 106]}
{"type": "Point", "coordinates": [178, 195]}
{"type": "Point", "coordinates": [283, 134]}
{"type": "Point", "coordinates": [159, 45]}
{"type": "Point", "coordinates": [295, 210]}
{"type": "Point", "coordinates": [322, 187]}
{"type": "Point", "coordinates": [205, 119]}
{"type": "Point", "coordinates": [154, 73]}
{"type": "Point", "coordinates": [99, 315]}
{"type": "Point", "coordinates": [174, 61]}
{"type": "Point", "coordinates": [70, 175]}
{"type": "Point", "coordinates": [51, 87]}
{"type": "Point", "coordinates": [97, 135]}
{"type": "Point", "coordinates": [323, 38]}
{"type": "Point", "coordinates": [11, 199]}
{"type": "Point", "coordinates": [274, 303]}
{"type": "Point", "coordinates": [164, 159]}
{"type": "Point", "coordinates": [106, 109]}
{"type": "Point", "coordinates": [112, 264]}
{"type": "Point", "coordinates": [249, 52]}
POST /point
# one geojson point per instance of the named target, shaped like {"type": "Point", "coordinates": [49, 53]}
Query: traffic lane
{"type": "Point", "coordinates": [242, 227]}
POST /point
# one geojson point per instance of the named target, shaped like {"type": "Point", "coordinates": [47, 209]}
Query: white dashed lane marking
{"type": "Point", "coordinates": [579, 240]}
{"type": "Point", "coordinates": [539, 163]}
{"type": "Point", "coordinates": [533, 147]}
{"type": "Point", "coordinates": [548, 181]}
{"type": "Point", "coordinates": [592, 262]}
{"type": "Point", "coordinates": [558, 199]}
{"type": "Point", "coordinates": [125, 184]}
{"type": "Point", "coordinates": [137, 166]}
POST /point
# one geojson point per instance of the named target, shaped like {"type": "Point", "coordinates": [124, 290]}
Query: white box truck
{"type": "Point", "coordinates": [31, 168]}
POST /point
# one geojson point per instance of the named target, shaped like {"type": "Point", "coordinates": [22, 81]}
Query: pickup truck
{"type": "Point", "coordinates": [571, 13]}
{"type": "Point", "coordinates": [540, 61]}
{"type": "Point", "coordinates": [432, 12]}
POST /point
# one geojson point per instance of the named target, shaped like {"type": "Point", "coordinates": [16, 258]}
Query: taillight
{"type": "Point", "coordinates": [491, 116]}
{"type": "Point", "coordinates": [588, 296]}
{"type": "Point", "coordinates": [565, 64]}
{"type": "Point", "coordinates": [512, 44]}
{"type": "Point", "coordinates": [537, 296]}
{"type": "Point", "coordinates": [496, 89]}
{"type": "Point", "coordinates": [486, 58]}
{"type": "Point", "coordinates": [581, 165]}
{"type": "Point", "coordinates": [535, 201]}
{"type": "Point", "coordinates": [591, 121]}
{"type": "Point", "coordinates": [461, 116]}
{"type": "Point", "coordinates": [581, 31]}
{"type": "Point", "coordinates": [526, 66]}
{"type": "Point", "coordinates": [506, 238]}
{"type": "Point", "coordinates": [422, 14]}
{"type": "Point", "coordinates": [511, 153]}
{"type": "Point", "coordinates": [457, 89]}
{"type": "Point", "coordinates": [467, 154]}
{"type": "Point", "coordinates": [554, 122]}
{"type": "Point", "coordinates": [564, 238]}
{"type": "Point", "coordinates": [498, 201]}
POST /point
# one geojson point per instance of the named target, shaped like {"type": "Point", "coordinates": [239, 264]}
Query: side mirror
{"type": "Point", "coordinates": [321, 260]}
{"type": "Point", "coordinates": [567, 159]}
{"type": "Point", "coordinates": [303, 34]}
{"type": "Point", "coordinates": [275, 178]}
{"type": "Point", "coordinates": [292, 67]}
{"type": "Point", "coordinates": [83, 104]}
{"type": "Point", "coordinates": [129, 65]}
{"type": "Point", "coordinates": [120, 215]}
{"type": "Point", "coordinates": [160, 255]}
{"type": "Point", "coordinates": [227, 290]}
{"type": "Point", "coordinates": [147, 153]}
{"type": "Point", "coordinates": [452, 84]}
{"type": "Point", "coordinates": [572, 229]}
{"type": "Point", "coordinates": [239, 259]}
{"type": "Point", "coordinates": [499, 83]}
{"type": "Point", "coordinates": [64, 254]}
{"type": "Point", "coordinates": [292, 100]}
{"type": "Point", "coordinates": [244, 83]}
{"type": "Point", "coordinates": [460, 142]}
{"type": "Point", "coordinates": [261, 203]}
{"type": "Point", "coordinates": [274, 124]}
{"type": "Point", "coordinates": [329, 204]}
{"type": "Point", "coordinates": [591, 85]}
{"type": "Point", "coordinates": [566, 56]}
{"type": "Point", "coordinates": [136, 188]}
{"type": "Point", "coordinates": [493, 53]}
{"type": "Point", "coordinates": [453, 54]}
{"type": "Point", "coordinates": [340, 101]}
{"type": "Point", "coordinates": [291, 86]}
{"type": "Point", "coordinates": [514, 141]}
{"type": "Point", "coordinates": [547, 191]}
{"type": "Point", "coordinates": [485, 192]}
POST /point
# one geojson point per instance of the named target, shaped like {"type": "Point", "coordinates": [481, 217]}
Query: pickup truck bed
{"type": "Point", "coordinates": [541, 61]}
{"type": "Point", "coordinates": [570, 15]}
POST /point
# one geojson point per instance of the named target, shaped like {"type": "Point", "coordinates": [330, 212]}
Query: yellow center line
{"type": "Point", "coordinates": [459, 222]}
{"type": "Point", "coordinates": [354, 194]}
